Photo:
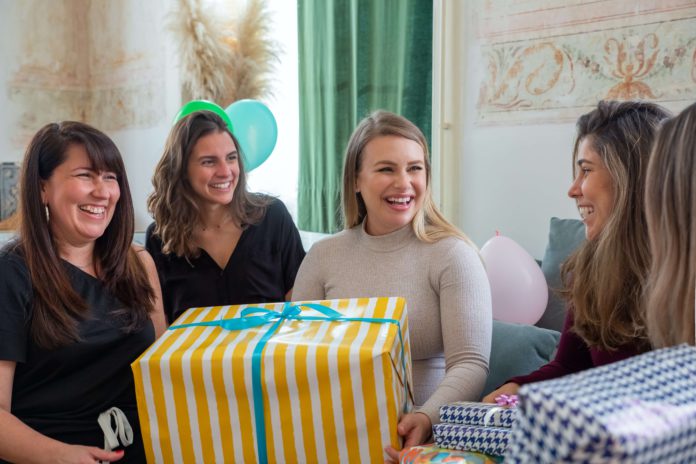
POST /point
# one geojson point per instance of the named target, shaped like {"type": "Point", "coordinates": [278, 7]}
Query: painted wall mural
{"type": "Point", "coordinates": [80, 60]}
{"type": "Point", "coordinates": [562, 70]}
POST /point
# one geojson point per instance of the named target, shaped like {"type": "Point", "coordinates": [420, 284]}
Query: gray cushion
{"type": "Point", "coordinates": [518, 349]}
{"type": "Point", "coordinates": [565, 235]}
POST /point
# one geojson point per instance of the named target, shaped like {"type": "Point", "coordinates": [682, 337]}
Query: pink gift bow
{"type": "Point", "coordinates": [506, 400]}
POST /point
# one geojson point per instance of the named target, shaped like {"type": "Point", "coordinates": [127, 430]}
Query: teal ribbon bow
{"type": "Point", "coordinates": [256, 317]}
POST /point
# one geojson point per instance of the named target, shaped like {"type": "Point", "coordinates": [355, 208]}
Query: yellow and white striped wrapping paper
{"type": "Point", "coordinates": [333, 391]}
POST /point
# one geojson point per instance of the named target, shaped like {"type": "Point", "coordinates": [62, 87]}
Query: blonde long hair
{"type": "Point", "coordinates": [670, 209]}
{"type": "Point", "coordinates": [605, 278]}
{"type": "Point", "coordinates": [428, 224]}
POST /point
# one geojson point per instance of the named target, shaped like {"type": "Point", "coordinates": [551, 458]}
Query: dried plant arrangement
{"type": "Point", "coordinates": [224, 58]}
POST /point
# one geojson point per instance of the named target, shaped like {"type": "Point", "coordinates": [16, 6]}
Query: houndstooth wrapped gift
{"type": "Point", "coordinates": [483, 414]}
{"type": "Point", "coordinates": [640, 410]}
{"type": "Point", "coordinates": [488, 440]}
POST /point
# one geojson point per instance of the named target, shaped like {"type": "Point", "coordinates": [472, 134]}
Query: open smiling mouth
{"type": "Point", "coordinates": [400, 201]}
{"type": "Point", "coordinates": [95, 210]}
{"type": "Point", "coordinates": [585, 211]}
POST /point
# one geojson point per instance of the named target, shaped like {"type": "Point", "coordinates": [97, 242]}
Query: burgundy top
{"type": "Point", "coordinates": [574, 355]}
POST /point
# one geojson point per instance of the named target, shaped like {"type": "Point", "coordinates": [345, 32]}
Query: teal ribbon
{"type": "Point", "coordinates": [256, 317]}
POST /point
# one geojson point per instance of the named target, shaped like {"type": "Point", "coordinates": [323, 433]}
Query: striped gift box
{"type": "Point", "coordinates": [320, 390]}
{"type": "Point", "coordinates": [488, 440]}
{"type": "Point", "coordinates": [483, 414]}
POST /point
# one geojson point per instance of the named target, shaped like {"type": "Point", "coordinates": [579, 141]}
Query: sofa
{"type": "Point", "coordinates": [516, 349]}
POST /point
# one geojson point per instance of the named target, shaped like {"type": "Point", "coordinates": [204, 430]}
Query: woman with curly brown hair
{"type": "Point", "coordinates": [214, 242]}
{"type": "Point", "coordinates": [603, 280]}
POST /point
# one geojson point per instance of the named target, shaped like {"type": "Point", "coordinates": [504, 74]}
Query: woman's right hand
{"type": "Point", "coordinates": [77, 454]}
{"type": "Point", "coordinates": [507, 389]}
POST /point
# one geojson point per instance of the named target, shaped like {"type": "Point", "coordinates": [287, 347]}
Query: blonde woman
{"type": "Point", "coordinates": [396, 243]}
{"type": "Point", "coordinates": [603, 281]}
{"type": "Point", "coordinates": [670, 199]}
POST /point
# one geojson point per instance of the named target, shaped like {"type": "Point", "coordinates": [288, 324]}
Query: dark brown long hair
{"type": "Point", "coordinates": [604, 279]}
{"type": "Point", "coordinates": [57, 307]}
{"type": "Point", "coordinates": [174, 204]}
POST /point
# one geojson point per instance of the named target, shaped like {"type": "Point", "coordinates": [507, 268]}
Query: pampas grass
{"type": "Point", "coordinates": [224, 61]}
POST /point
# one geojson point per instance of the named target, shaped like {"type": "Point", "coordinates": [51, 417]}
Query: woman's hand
{"type": "Point", "coordinates": [415, 428]}
{"type": "Point", "coordinates": [507, 389]}
{"type": "Point", "coordinates": [77, 454]}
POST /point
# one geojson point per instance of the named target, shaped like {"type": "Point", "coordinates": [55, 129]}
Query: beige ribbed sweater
{"type": "Point", "coordinates": [447, 295]}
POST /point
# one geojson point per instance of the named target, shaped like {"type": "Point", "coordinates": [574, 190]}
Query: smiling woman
{"type": "Point", "coordinates": [78, 303]}
{"type": "Point", "coordinates": [79, 199]}
{"type": "Point", "coordinates": [213, 241]}
{"type": "Point", "coordinates": [391, 182]}
{"type": "Point", "coordinates": [592, 189]}
{"type": "Point", "coordinates": [396, 243]}
{"type": "Point", "coordinates": [603, 281]}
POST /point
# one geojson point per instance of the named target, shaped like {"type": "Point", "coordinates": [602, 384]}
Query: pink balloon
{"type": "Point", "coordinates": [518, 286]}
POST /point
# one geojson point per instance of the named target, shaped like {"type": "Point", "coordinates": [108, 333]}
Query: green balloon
{"type": "Point", "coordinates": [203, 105]}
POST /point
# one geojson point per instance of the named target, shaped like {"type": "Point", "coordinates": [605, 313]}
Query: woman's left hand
{"type": "Point", "coordinates": [415, 428]}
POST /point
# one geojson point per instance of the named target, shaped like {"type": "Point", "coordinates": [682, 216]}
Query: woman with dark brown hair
{"type": "Point", "coordinates": [603, 280]}
{"type": "Point", "coordinates": [213, 241]}
{"type": "Point", "coordinates": [78, 304]}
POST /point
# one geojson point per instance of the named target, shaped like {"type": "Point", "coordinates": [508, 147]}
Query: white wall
{"type": "Point", "coordinates": [128, 67]}
{"type": "Point", "coordinates": [9, 30]}
{"type": "Point", "coordinates": [279, 174]}
{"type": "Point", "coordinates": [510, 178]}
{"type": "Point", "coordinates": [130, 45]}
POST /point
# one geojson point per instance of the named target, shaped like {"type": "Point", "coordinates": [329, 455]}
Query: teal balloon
{"type": "Point", "coordinates": [203, 105]}
{"type": "Point", "coordinates": [256, 130]}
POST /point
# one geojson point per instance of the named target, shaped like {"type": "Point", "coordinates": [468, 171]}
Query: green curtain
{"type": "Point", "coordinates": [355, 56]}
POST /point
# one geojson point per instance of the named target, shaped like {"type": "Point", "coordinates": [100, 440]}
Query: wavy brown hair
{"type": "Point", "coordinates": [57, 306]}
{"type": "Point", "coordinates": [605, 277]}
{"type": "Point", "coordinates": [428, 224]}
{"type": "Point", "coordinates": [670, 209]}
{"type": "Point", "coordinates": [174, 204]}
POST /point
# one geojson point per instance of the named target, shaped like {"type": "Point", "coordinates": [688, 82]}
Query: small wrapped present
{"type": "Point", "coordinates": [482, 414]}
{"type": "Point", "coordinates": [427, 454]}
{"type": "Point", "coordinates": [287, 382]}
{"type": "Point", "coordinates": [488, 440]}
{"type": "Point", "coordinates": [639, 410]}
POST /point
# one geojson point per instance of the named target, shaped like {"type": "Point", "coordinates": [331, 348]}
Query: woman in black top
{"type": "Point", "coordinates": [78, 303]}
{"type": "Point", "coordinates": [213, 242]}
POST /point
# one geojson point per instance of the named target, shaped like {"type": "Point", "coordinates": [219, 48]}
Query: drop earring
{"type": "Point", "coordinates": [48, 214]}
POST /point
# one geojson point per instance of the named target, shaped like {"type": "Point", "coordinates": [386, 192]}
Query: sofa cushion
{"type": "Point", "coordinates": [565, 235]}
{"type": "Point", "coordinates": [518, 349]}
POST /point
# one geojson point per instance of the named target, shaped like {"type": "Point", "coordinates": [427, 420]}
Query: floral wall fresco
{"type": "Point", "coordinates": [544, 64]}
{"type": "Point", "coordinates": [87, 61]}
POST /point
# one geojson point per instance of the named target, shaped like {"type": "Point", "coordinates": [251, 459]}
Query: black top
{"type": "Point", "coordinates": [61, 392]}
{"type": "Point", "coordinates": [261, 269]}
